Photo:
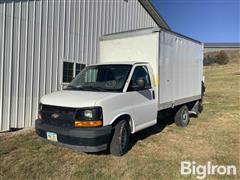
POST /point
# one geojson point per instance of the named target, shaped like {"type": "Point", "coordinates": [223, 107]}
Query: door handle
{"type": "Point", "coordinates": [153, 94]}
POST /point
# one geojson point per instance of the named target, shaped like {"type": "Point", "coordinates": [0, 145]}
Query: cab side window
{"type": "Point", "coordinates": [140, 72]}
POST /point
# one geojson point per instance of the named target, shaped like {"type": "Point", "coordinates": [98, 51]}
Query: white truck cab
{"type": "Point", "coordinates": [107, 102]}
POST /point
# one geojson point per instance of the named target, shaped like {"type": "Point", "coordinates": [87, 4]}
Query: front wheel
{"type": "Point", "coordinates": [182, 117]}
{"type": "Point", "coordinates": [120, 141]}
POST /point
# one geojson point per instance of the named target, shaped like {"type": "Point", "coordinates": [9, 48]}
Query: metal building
{"type": "Point", "coordinates": [214, 47]}
{"type": "Point", "coordinates": [44, 43]}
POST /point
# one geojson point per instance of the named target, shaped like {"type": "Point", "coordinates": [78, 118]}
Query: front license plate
{"type": "Point", "coordinates": [52, 136]}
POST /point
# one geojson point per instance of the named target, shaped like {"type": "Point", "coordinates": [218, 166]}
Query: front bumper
{"type": "Point", "coordinates": [91, 139]}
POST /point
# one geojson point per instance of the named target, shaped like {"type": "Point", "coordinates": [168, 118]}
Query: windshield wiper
{"type": "Point", "coordinates": [86, 88]}
{"type": "Point", "coordinates": [74, 87]}
{"type": "Point", "coordinates": [96, 88]}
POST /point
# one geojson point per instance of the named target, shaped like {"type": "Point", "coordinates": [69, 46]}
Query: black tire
{"type": "Point", "coordinates": [182, 117]}
{"type": "Point", "coordinates": [119, 144]}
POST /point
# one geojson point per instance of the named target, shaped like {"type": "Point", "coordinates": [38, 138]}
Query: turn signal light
{"type": "Point", "coordinates": [87, 123]}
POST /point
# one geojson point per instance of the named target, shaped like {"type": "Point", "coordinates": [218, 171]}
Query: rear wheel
{"type": "Point", "coordinates": [182, 117]}
{"type": "Point", "coordinates": [120, 141]}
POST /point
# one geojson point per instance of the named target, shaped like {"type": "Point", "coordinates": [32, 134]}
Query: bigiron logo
{"type": "Point", "coordinates": [202, 171]}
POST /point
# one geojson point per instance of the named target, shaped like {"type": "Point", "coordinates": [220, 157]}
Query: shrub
{"type": "Point", "coordinates": [219, 58]}
{"type": "Point", "coordinates": [222, 58]}
{"type": "Point", "coordinates": [208, 60]}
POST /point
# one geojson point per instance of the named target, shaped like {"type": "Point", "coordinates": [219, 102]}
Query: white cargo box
{"type": "Point", "coordinates": [177, 61]}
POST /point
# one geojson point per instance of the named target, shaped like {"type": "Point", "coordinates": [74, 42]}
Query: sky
{"type": "Point", "coordinates": [204, 20]}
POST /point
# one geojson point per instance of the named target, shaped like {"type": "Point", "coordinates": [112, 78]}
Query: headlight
{"type": "Point", "coordinates": [89, 117]}
{"type": "Point", "coordinates": [88, 114]}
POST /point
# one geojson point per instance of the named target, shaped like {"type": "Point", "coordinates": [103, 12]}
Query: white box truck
{"type": "Point", "coordinates": [141, 73]}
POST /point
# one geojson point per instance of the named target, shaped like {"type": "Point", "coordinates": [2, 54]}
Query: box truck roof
{"type": "Point", "coordinates": [120, 62]}
{"type": "Point", "coordinates": [143, 31]}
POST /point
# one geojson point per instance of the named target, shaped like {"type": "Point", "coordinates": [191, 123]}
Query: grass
{"type": "Point", "coordinates": [155, 154]}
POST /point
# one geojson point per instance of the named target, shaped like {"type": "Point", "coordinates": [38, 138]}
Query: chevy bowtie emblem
{"type": "Point", "coordinates": [55, 115]}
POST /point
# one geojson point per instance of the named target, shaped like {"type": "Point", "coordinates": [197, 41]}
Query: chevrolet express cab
{"type": "Point", "coordinates": [140, 74]}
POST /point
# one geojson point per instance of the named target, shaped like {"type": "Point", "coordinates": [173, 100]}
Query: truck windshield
{"type": "Point", "coordinates": [101, 78]}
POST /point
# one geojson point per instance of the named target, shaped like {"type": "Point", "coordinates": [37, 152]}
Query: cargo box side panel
{"type": "Point", "coordinates": [181, 63]}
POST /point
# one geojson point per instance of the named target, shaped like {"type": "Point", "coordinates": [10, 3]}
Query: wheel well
{"type": "Point", "coordinates": [188, 104]}
{"type": "Point", "coordinates": [125, 117]}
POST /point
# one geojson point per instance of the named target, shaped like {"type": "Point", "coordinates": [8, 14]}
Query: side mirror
{"type": "Point", "coordinates": [139, 85]}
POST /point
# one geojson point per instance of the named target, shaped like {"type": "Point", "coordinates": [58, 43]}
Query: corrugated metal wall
{"type": "Point", "coordinates": [37, 35]}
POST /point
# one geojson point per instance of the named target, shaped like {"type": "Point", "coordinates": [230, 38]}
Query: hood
{"type": "Point", "coordinates": [75, 99]}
